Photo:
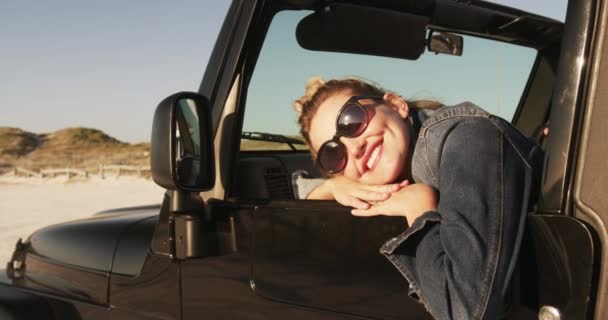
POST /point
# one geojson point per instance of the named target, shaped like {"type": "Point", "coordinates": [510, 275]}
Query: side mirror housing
{"type": "Point", "coordinates": [182, 155]}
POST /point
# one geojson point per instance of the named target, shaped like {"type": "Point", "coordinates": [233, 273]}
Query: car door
{"type": "Point", "coordinates": [318, 255]}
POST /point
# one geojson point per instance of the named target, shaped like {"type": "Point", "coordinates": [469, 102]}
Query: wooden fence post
{"type": "Point", "coordinates": [101, 173]}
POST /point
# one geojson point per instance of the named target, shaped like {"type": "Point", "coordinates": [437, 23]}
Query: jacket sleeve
{"type": "Point", "coordinates": [459, 259]}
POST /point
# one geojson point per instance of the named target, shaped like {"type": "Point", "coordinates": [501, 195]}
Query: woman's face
{"type": "Point", "coordinates": [381, 154]}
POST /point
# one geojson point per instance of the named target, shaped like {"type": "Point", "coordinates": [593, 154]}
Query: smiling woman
{"type": "Point", "coordinates": [393, 160]}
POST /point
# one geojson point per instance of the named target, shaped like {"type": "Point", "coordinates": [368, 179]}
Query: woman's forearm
{"type": "Point", "coordinates": [321, 192]}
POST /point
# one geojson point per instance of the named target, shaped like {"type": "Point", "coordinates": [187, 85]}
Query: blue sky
{"type": "Point", "coordinates": [107, 64]}
{"type": "Point", "coordinates": [103, 64]}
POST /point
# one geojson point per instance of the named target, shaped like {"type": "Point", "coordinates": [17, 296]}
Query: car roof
{"type": "Point", "coordinates": [473, 17]}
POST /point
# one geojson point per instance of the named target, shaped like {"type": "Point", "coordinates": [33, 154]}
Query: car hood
{"type": "Point", "coordinates": [87, 243]}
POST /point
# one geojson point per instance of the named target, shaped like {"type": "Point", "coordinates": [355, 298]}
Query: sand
{"type": "Point", "coordinates": [27, 204]}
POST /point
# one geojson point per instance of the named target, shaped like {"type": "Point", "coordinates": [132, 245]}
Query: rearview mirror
{"type": "Point", "coordinates": [444, 42]}
{"type": "Point", "coordinates": [182, 143]}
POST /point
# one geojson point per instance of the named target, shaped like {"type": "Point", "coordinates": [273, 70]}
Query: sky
{"type": "Point", "coordinates": [107, 64]}
{"type": "Point", "coordinates": [100, 64]}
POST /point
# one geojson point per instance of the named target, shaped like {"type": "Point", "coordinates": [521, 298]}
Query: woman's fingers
{"type": "Point", "coordinates": [385, 187]}
{"type": "Point", "coordinates": [371, 211]}
{"type": "Point", "coordinates": [368, 195]}
{"type": "Point", "coordinates": [358, 204]}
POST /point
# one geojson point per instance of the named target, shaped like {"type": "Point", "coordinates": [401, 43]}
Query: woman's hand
{"type": "Point", "coordinates": [354, 194]}
{"type": "Point", "coordinates": [411, 201]}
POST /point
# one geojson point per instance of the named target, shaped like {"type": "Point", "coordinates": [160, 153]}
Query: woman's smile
{"type": "Point", "coordinates": [372, 157]}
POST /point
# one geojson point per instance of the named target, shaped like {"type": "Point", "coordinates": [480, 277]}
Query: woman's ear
{"type": "Point", "coordinates": [398, 104]}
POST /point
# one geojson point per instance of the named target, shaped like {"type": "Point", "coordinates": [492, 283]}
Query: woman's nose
{"type": "Point", "coordinates": [354, 146]}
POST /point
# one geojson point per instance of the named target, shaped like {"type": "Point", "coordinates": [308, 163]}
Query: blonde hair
{"type": "Point", "coordinates": [318, 90]}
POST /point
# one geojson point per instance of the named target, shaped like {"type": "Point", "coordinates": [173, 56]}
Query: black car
{"type": "Point", "coordinates": [232, 239]}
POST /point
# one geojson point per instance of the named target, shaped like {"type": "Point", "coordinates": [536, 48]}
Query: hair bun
{"type": "Point", "coordinates": [312, 86]}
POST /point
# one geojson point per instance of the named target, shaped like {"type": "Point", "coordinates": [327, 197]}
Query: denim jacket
{"type": "Point", "coordinates": [459, 260]}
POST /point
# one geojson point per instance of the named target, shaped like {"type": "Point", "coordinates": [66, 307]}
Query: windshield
{"type": "Point", "coordinates": [490, 74]}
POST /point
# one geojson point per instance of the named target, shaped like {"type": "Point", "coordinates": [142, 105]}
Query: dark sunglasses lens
{"type": "Point", "coordinates": [332, 158]}
{"type": "Point", "coordinates": [352, 120]}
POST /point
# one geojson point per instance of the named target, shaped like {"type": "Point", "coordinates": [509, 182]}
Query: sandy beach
{"type": "Point", "coordinates": [27, 204]}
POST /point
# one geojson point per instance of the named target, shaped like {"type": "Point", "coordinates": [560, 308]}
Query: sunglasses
{"type": "Point", "coordinates": [351, 122]}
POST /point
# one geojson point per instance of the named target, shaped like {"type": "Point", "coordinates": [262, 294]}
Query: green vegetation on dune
{"type": "Point", "coordinates": [15, 142]}
{"type": "Point", "coordinates": [81, 136]}
{"type": "Point", "coordinates": [84, 148]}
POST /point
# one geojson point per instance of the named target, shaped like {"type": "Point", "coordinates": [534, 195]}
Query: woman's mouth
{"type": "Point", "coordinates": [374, 157]}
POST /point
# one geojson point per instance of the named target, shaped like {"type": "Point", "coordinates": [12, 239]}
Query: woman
{"type": "Point", "coordinates": [470, 175]}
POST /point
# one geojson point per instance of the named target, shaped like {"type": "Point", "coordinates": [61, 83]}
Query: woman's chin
{"type": "Point", "coordinates": [384, 175]}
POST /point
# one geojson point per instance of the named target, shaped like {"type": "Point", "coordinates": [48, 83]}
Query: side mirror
{"type": "Point", "coordinates": [182, 143]}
